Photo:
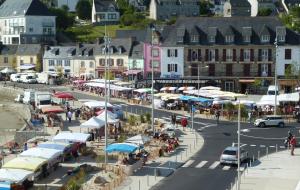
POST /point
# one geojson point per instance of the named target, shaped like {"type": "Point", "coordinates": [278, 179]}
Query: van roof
{"type": "Point", "coordinates": [272, 87]}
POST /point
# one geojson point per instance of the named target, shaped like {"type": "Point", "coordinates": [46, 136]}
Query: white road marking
{"type": "Point", "coordinates": [262, 146]}
{"type": "Point", "coordinates": [226, 168]}
{"type": "Point", "coordinates": [214, 165]}
{"type": "Point", "coordinates": [253, 145]}
{"type": "Point", "coordinates": [188, 163]}
{"type": "Point", "coordinates": [282, 147]}
{"type": "Point", "coordinates": [201, 164]}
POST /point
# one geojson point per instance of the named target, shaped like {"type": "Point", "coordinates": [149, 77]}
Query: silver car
{"type": "Point", "coordinates": [230, 155]}
{"type": "Point", "coordinates": [269, 120]}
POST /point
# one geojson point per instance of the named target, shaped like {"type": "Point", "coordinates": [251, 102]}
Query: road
{"type": "Point", "coordinates": [203, 170]}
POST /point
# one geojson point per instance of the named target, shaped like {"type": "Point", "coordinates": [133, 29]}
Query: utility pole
{"type": "Point", "coordinates": [106, 95]}
{"type": "Point", "coordinates": [275, 77]}
{"type": "Point", "coordinates": [239, 146]}
{"type": "Point", "coordinates": [152, 79]}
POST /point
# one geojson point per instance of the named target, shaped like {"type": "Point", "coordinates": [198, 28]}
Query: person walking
{"type": "Point", "coordinates": [69, 114]}
{"type": "Point", "coordinates": [249, 116]}
{"type": "Point", "coordinates": [293, 145]}
{"type": "Point", "coordinates": [25, 146]}
{"type": "Point", "coordinates": [217, 116]}
{"type": "Point", "coordinates": [184, 123]}
{"type": "Point", "coordinates": [173, 119]}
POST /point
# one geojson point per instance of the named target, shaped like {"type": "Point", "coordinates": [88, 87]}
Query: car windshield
{"type": "Point", "coordinates": [265, 118]}
{"type": "Point", "coordinates": [229, 152]}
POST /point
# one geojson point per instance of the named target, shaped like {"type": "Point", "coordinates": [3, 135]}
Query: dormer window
{"type": "Point", "coordinates": [229, 39]}
{"type": "Point", "coordinates": [247, 39]}
{"type": "Point", "coordinates": [265, 38]}
{"type": "Point", "coordinates": [180, 39]}
{"type": "Point", "coordinates": [120, 50]}
{"type": "Point", "coordinates": [212, 39]}
{"type": "Point", "coordinates": [194, 38]}
{"type": "Point", "coordinates": [281, 38]}
{"type": "Point", "coordinates": [280, 33]}
{"type": "Point", "coordinates": [180, 35]}
{"type": "Point", "coordinates": [247, 33]}
{"type": "Point", "coordinates": [111, 50]}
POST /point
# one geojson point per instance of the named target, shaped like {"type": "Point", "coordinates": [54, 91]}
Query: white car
{"type": "Point", "coordinates": [230, 155]}
{"type": "Point", "coordinates": [270, 120]}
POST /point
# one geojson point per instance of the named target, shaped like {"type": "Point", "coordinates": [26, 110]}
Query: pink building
{"type": "Point", "coordinates": [152, 55]}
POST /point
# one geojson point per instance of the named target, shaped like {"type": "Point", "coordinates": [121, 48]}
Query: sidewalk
{"type": "Point", "coordinates": [277, 171]}
{"type": "Point", "coordinates": [154, 171]}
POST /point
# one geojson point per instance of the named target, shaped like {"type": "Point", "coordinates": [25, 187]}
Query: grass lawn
{"type": "Point", "coordinates": [90, 33]}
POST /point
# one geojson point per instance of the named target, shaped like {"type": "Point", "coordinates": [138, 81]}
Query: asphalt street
{"type": "Point", "coordinates": [203, 170]}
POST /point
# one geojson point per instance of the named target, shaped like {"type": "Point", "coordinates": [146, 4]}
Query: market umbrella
{"type": "Point", "coordinates": [138, 140]}
{"type": "Point", "coordinates": [64, 95]}
{"type": "Point", "coordinates": [122, 147]}
{"type": "Point", "coordinates": [94, 122]}
{"type": "Point", "coordinates": [7, 70]}
{"type": "Point", "coordinates": [52, 109]}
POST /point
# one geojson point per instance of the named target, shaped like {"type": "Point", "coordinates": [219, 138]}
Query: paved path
{"type": "Point", "coordinates": [191, 142]}
{"type": "Point", "coordinates": [276, 171]}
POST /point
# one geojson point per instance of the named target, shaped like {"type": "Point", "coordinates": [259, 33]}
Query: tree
{"type": "Point", "coordinates": [264, 12]}
{"type": "Point", "coordinates": [205, 7]}
{"type": "Point", "coordinates": [292, 19]}
{"type": "Point", "coordinates": [14, 62]}
{"type": "Point", "coordinates": [63, 18]}
{"type": "Point", "coordinates": [39, 65]}
{"type": "Point", "coordinates": [84, 9]}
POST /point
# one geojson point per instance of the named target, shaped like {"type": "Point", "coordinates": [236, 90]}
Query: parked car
{"type": "Point", "coordinates": [230, 155]}
{"type": "Point", "coordinates": [269, 120]}
{"type": "Point", "coordinates": [19, 98]}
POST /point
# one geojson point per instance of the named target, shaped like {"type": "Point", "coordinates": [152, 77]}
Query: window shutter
{"type": "Point", "coordinates": [224, 54]}
{"type": "Point", "coordinates": [259, 54]}
{"type": "Point", "coordinates": [216, 54]}
{"type": "Point", "coordinates": [175, 52]}
{"type": "Point", "coordinates": [169, 53]}
{"type": "Point", "coordinates": [251, 54]}
{"type": "Point", "coordinates": [234, 54]}
{"type": "Point", "coordinates": [189, 55]}
{"type": "Point", "coordinates": [199, 55]}
{"type": "Point", "coordinates": [259, 70]}
{"type": "Point", "coordinates": [269, 70]}
{"type": "Point", "coordinates": [269, 54]}
{"type": "Point", "coordinates": [242, 55]}
{"type": "Point", "coordinates": [206, 55]}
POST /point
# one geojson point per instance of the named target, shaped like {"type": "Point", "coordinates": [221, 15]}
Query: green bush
{"type": "Point", "coordinates": [132, 120]}
{"type": "Point", "coordinates": [122, 138]}
{"type": "Point", "coordinates": [148, 117]}
{"type": "Point", "coordinates": [142, 118]}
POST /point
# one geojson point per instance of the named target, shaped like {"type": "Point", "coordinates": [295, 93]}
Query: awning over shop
{"type": "Point", "coordinates": [291, 97]}
{"type": "Point", "coordinates": [132, 72]}
{"type": "Point", "coordinates": [246, 80]}
{"type": "Point", "coordinates": [26, 66]}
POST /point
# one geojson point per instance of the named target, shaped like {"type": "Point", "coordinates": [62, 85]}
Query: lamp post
{"type": "Point", "coordinates": [275, 77]}
{"type": "Point", "coordinates": [239, 145]}
{"type": "Point", "coordinates": [152, 81]}
{"type": "Point", "coordinates": [109, 62]}
{"type": "Point", "coordinates": [105, 87]}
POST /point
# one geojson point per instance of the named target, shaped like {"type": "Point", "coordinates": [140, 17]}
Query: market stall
{"type": "Point", "coordinates": [61, 146]}
{"type": "Point", "coordinates": [16, 178]}
{"type": "Point", "coordinates": [139, 140]}
{"type": "Point", "coordinates": [71, 137]}
{"type": "Point", "coordinates": [93, 123]}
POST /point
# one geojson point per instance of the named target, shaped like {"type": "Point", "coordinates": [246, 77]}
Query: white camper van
{"type": "Point", "coordinates": [28, 96]}
{"type": "Point", "coordinates": [15, 77]}
{"type": "Point", "coordinates": [28, 78]}
{"type": "Point", "coordinates": [42, 99]}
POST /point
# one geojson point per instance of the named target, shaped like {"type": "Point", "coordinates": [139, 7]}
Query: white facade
{"type": "Point", "coordinates": [66, 65]}
{"type": "Point", "coordinates": [27, 29]}
{"type": "Point", "coordinates": [287, 55]}
{"type": "Point", "coordinates": [111, 16]}
{"type": "Point", "coordinates": [70, 3]}
{"type": "Point", "coordinates": [172, 62]}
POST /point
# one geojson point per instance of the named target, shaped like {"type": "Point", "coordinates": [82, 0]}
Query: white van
{"type": "Point", "coordinates": [28, 78]}
{"type": "Point", "coordinates": [15, 77]}
{"type": "Point", "coordinates": [28, 96]}
{"type": "Point", "coordinates": [42, 78]}
{"type": "Point", "coordinates": [272, 89]}
{"type": "Point", "coordinates": [42, 99]}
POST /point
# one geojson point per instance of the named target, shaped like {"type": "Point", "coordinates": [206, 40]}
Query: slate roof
{"type": "Point", "coordinates": [137, 51]}
{"type": "Point", "coordinates": [139, 35]}
{"type": "Point", "coordinates": [23, 7]}
{"type": "Point", "coordinates": [8, 49]}
{"type": "Point", "coordinates": [85, 51]}
{"type": "Point", "coordinates": [291, 3]}
{"type": "Point", "coordinates": [124, 43]}
{"type": "Point", "coordinates": [103, 5]}
{"type": "Point", "coordinates": [219, 25]}
{"type": "Point", "coordinates": [63, 52]}
{"type": "Point", "coordinates": [29, 49]}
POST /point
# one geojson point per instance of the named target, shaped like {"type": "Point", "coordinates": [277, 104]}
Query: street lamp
{"type": "Point", "coordinates": [275, 77]}
{"type": "Point", "coordinates": [106, 44]}
{"type": "Point", "coordinates": [198, 75]}
{"type": "Point", "coordinates": [239, 145]}
{"type": "Point", "coordinates": [152, 80]}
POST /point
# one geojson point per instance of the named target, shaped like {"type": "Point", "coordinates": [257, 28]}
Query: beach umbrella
{"type": "Point", "coordinates": [138, 140]}
{"type": "Point", "coordinates": [52, 109]}
{"type": "Point", "coordinates": [64, 95]}
{"type": "Point", "coordinates": [122, 147]}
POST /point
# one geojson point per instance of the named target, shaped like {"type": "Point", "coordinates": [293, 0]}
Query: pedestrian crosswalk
{"type": "Point", "coordinates": [260, 146]}
{"type": "Point", "coordinates": [210, 165]}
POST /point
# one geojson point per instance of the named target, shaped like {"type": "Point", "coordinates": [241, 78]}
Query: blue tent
{"type": "Point", "coordinates": [122, 147]}
{"type": "Point", "coordinates": [5, 185]}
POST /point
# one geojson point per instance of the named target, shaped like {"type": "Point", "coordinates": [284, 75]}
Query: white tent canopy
{"type": "Point", "coordinates": [97, 104]}
{"type": "Point", "coordinates": [138, 140]}
{"type": "Point", "coordinates": [168, 88]}
{"type": "Point", "coordinates": [42, 153]}
{"type": "Point", "coordinates": [14, 175]}
{"type": "Point", "coordinates": [267, 100]}
{"type": "Point", "coordinates": [7, 70]}
{"type": "Point", "coordinates": [110, 119]}
{"type": "Point", "coordinates": [291, 97]}
{"type": "Point", "coordinates": [93, 122]}
{"type": "Point", "coordinates": [186, 88]}
{"type": "Point", "coordinates": [112, 87]}
{"type": "Point", "coordinates": [210, 88]}
{"type": "Point", "coordinates": [109, 114]}
{"type": "Point", "coordinates": [74, 137]}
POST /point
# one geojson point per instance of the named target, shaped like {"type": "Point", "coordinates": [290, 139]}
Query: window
{"type": "Point", "coordinates": [172, 52]}
{"type": "Point", "coordinates": [120, 62]}
{"type": "Point", "coordinates": [21, 61]}
{"type": "Point", "coordinates": [102, 16]}
{"type": "Point", "coordinates": [229, 70]}
{"type": "Point", "coordinates": [82, 64]}
{"type": "Point", "coordinates": [194, 38]}
{"type": "Point", "coordinates": [211, 55]}
{"type": "Point", "coordinates": [67, 63]}
{"type": "Point", "coordinates": [229, 54]}
{"type": "Point", "coordinates": [112, 16]}
{"type": "Point", "coordinates": [246, 39]}
{"type": "Point", "coordinates": [264, 70]}
{"type": "Point", "coordinates": [281, 38]}
{"type": "Point", "coordinates": [59, 63]}
{"type": "Point", "coordinates": [247, 54]}
{"type": "Point", "coordinates": [288, 54]}
{"type": "Point", "coordinates": [212, 39]}
{"type": "Point", "coordinates": [102, 62]}
{"type": "Point", "coordinates": [194, 55]}
{"type": "Point", "coordinates": [51, 63]}
{"type": "Point", "coordinates": [5, 60]}
{"type": "Point", "coordinates": [110, 62]}
{"type": "Point", "coordinates": [91, 64]}
{"type": "Point", "coordinates": [44, 30]}
{"type": "Point", "coordinates": [30, 29]}
{"type": "Point", "coordinates": [31, 59]}
{"type": "Point", "coordinates": [179, 39]}
{"type": "Point", "coordinates": [155, 64]}
{"type": "Point", "coordinates": [264, 55]}
{"type": "Point", "coordinates": [229, 39]}
{"type": "Point", "coordinates": [265, 38]}
{"type": "Point", "coordinates": [155, 52]}
{"type": "Point", "coordinates": [172, 67]}
{"type": "Point", "coordinates": [246, 70]}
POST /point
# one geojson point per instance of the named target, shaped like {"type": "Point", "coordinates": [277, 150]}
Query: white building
{"type": "Point", "coordinates": [26, 22]}
{"type": "Point", "coordinates": [105, 12]}
{"type": "Point", "coordinates": [172, 62]}
{"type": "Point", "coordinates": [287, 55]}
